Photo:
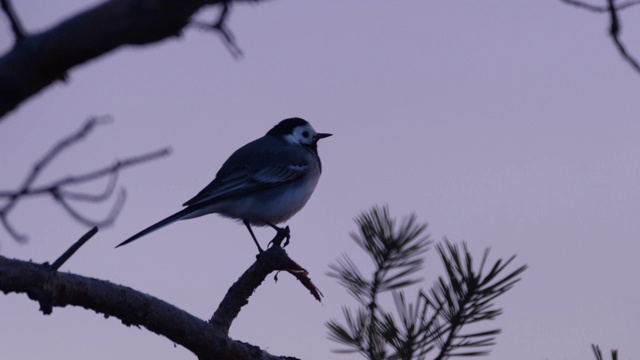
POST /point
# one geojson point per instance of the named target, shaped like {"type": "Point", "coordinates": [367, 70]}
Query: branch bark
{"type": "Point", "coordinates": [207, 340]}
{"type": "Point", "coordinates": [38, 60]}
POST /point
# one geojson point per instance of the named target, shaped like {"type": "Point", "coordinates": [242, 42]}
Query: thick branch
{"type": "Point", "coordinates": [51, 288]}
{"type": "Point", "coordinates": [40, 59]}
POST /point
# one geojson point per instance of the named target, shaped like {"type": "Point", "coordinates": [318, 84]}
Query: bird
{"type": "Point", "coordinates": [263, 183]}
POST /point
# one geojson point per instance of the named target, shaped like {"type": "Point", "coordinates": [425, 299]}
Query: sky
{"type": "Point", "coordinates": [506, 124]}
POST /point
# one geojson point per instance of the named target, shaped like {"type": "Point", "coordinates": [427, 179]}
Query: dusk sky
{"type": "Point", "coordinates": [506, 124]}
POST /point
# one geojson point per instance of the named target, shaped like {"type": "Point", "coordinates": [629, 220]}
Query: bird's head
{"type": "Point", "coordinates": [297, 131]}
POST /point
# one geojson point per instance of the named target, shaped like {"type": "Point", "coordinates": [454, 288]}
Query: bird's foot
{"type": "Point", "coordinates": [283, 234]}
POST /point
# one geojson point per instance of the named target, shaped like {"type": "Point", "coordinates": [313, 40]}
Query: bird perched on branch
{"type": "Point", "coordinates": [263, 183]}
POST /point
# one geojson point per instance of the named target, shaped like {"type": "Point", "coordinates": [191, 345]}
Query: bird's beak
{"type": "Point", "coordinates": [322, 136]}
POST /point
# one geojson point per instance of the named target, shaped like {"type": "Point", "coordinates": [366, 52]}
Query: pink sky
{"type": "Point", "coordinates": [507, 124]}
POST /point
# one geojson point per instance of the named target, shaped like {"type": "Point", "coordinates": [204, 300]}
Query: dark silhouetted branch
{"type": "Point", "coordinates": [273, 259]}
{"type": "Point", "coordinates": [57, 289]}
{"type": "Point", "coordinates": [73, 248]}
{"type": "Point", "coordinates": [461, 299]}
{"type": "Point", "coordinates": [614, 24]}
{"type": "Point", "coordinates": [598, 354]}
{"type": "Point", "coordinates": [614, 31]}
{"type": "Point", "coordinates": [58, 188]}
{"type": "Point", "coordinates": [40, 59]}
{"type": "Point", "coordinates": [220, 26]}
{"type": "Point", "coordinates": [16, 27]}
{"type": "Point", "coordinates": [600, 8]}
{"type": "Point", "coordinates": [207, 340]}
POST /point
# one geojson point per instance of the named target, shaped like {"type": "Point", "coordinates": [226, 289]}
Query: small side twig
{"type": "Point", "coordinates": [220, 26]}
{"type": "Point", "coordinates": [598, 354]}
{"type": "Point", "coordinates": [107, 221]}
{"type": "Point", "coordinates": [16, 26]}
{"type": "Point", "coordinates": [73, 248]}
{"type": "Point", "coordinates": [58, 189]}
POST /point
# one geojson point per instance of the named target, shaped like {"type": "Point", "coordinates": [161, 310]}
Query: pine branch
{"type": "Point", "coordinates": [396, 253]}
{"type": "Point", "coordinates": [437, 317]}
{"type": "Point", "coordinates": [467, 297]}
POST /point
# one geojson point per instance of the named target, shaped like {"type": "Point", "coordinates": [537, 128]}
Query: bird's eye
{"type": "Point", "coordinates": [305, 134]}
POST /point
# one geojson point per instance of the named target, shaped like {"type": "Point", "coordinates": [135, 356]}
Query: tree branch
{"type": "Point", "coordinates": [207, 340]}
{"type": "Point", "coordinates": [40, 59]}
{"type": "Point", "coordinates": [598, 8]}
{"type": "Point", "coordinates": [73, 248]}
{"type": "Point", "coordinates": [614, 24]}
{"type": "Point", "coordinates": [57, 189]}
{"type": "Point", "coordinates": [273, 259]}
{"type": "Point", "coordinates": [228, 39]}
{"type": "Point", "coordinates": [16, 27]}
{"type": "Point", "coordinates": [614, 31]}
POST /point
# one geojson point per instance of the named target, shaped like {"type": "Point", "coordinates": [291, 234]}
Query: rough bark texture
{"type": "Point", "coordinates": [207, 340]}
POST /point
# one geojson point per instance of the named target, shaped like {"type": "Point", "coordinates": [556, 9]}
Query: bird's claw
{"type": "Point", "coordinates": [283, 234]}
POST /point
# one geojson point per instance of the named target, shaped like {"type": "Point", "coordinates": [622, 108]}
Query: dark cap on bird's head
{"type": "Point", "coordinates": [286, 126]}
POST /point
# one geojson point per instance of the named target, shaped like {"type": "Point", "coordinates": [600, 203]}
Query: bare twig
{"type": "Point", "coordinates": [57, 189]}
{"type": "Point", "coordinates": [77, 196]}
{"type": "Point", "coordinates": [16, 26]}
{"type": "Point", "coordinates": [72, 250]}
{"type": "Point", "coordinates": [614, 31]}
{"type": "Point", "coordinates": [614, 24]}
{"type": "Point", "coordinates": [220, 26]}
{"type": "Point", "coordinates": [13, 232]}
{"type": "Point", "coordinates": [107, 221]}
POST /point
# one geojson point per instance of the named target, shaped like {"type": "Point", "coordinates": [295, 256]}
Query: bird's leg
{"type": "Point", "coordinates": [246, 223]}
{"type": "Point", "coordinates": [281, 231]}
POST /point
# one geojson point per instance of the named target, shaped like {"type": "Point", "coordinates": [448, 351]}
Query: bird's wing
{"type": "Point", "coordinates": [246, 172]}
{"type": "Point", "coordinates": [248, 181]}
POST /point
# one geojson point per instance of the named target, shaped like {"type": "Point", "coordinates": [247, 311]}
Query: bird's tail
{"type": "Point", "coordinates": [162, 223]}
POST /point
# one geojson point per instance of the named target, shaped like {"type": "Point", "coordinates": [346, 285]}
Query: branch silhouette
{"type": "Point", "coordinates": [16, 26]}
{"type": "Point", "coordinates": [38, 60]}
{"type": "Point", "coordinates": [58, 189]}
{"type": "Point", "coordinates": [615, 25]}
{"type": "Point", "coordinates": [205, 339]}
{"type": "Point", "coordinates": [435, 320]}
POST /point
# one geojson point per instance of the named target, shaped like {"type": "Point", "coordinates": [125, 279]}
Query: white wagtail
{"type": "Point", "coordinates": [263, 183]}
